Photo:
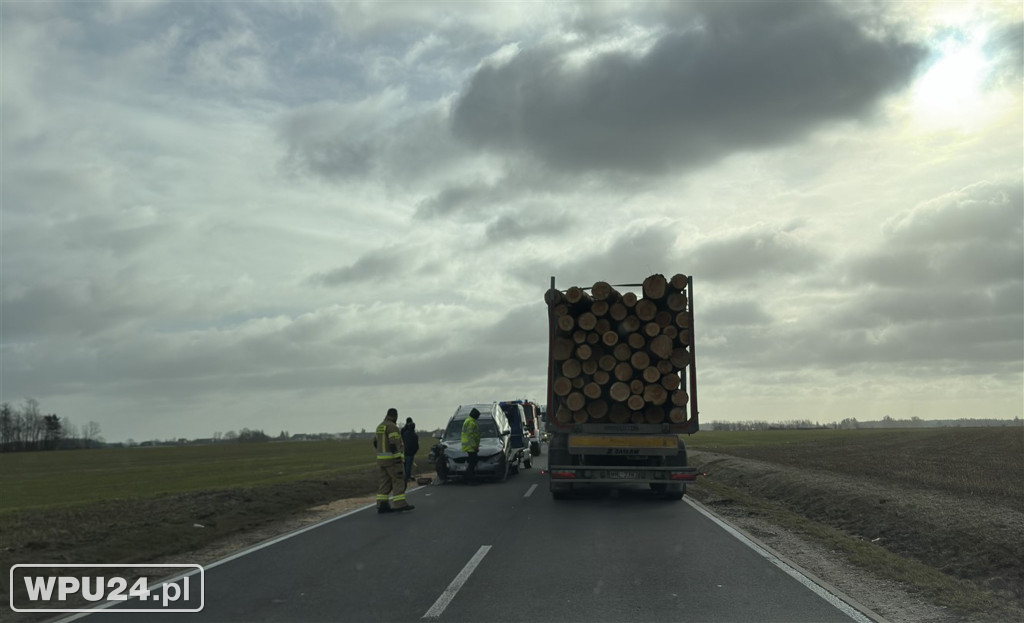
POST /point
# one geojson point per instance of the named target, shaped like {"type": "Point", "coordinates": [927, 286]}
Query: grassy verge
{"type": "Point", "coordinates": [960, 595]}
{"type": "Point", "coordinates": [938, 510]}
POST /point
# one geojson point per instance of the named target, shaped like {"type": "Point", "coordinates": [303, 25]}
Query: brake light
{"type": "Point", "coordinates": [682, 476]}
{"type": "Point", "coordinates": [563, 474]}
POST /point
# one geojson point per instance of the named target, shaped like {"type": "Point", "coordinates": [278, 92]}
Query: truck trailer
{"type": "Point", "coordinates": [622, 385]}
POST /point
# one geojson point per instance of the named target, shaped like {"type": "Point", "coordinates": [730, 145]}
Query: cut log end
{"type": "Point", "coordinates": [655, 287]}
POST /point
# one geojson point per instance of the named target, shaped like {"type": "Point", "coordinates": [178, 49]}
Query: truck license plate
{"type": "Point", "coordinates": [624, 475]}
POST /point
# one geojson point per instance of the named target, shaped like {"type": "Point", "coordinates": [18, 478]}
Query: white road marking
{"type": "Point", "coordinates": [844, 607]}
{"type": "Point", "coordinates": [530, 491]}
{"type": "Point", "coordinates": [453, 588]}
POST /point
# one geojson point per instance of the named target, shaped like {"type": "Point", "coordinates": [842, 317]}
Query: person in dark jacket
{"type": "Point", "coordinates": [411, 441]}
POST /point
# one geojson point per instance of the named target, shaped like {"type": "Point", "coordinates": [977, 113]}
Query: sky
{"type": "Point", "coordinates": [295, 215]}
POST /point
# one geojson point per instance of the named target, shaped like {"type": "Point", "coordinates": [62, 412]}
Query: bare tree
{"type": "Point", "coordinates": [7, 424]}
{"type": "Point", "coordinates": [33, 426]}
{"type": "Point", "coordinates": [91, 433]}
{"type": "Point", "coordinates": [54, 431]}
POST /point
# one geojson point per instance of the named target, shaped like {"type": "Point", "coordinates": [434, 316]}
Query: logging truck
{"type": "Point", "coordinates": [622, 385]}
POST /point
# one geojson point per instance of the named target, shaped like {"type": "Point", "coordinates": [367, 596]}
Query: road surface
{"type": "Point", "coordinates": [508, 552]}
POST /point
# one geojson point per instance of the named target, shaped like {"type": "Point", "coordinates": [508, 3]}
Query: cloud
{"type": "Point", "coordinates": [942, 293]}
{"type": "Point", "coordinates": [736, 77]}
{"type": "Point", "coordinates": [971, 238]}
{"type": "Point", "coordinates": [520, 226]}
{"type": "Point", "coordinates": [619, 257]}
{"type": "Point", "coordinates": [737, 312]}
{"type": "Point", "coordinates": [376, 265]}
{"type": "Point", "coordinates": [471, 198]}
{"type": "Point", "coordinates": [756, 253]}
{"type": "Point", "coordinates": [983, 211]}
{"type": "Point", "coordinates": [1005, 46]}
{"type": "Point", "coordinates": [216, 214]}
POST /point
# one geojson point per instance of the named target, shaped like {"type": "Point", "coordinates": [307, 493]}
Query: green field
{"type": "Point", "coordinates": [49, 480]}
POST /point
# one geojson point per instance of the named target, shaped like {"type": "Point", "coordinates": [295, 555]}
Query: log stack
{"type": "Point", "coordinates": [618, 357]}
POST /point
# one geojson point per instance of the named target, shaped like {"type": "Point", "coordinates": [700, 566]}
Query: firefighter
{"type": "Point", "coordinates": [390, 459]}
{"type": "Point", "coordinates": [471, 444]}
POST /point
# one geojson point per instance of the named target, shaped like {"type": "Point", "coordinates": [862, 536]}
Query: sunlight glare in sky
{"type": "Point", "coordinates": [950, 92]}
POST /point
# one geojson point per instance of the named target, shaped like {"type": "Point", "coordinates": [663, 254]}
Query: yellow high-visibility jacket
{"type": "Point", "coordinates": [388, 443]}
{"type": "Point", "coordinates": [470, 436]}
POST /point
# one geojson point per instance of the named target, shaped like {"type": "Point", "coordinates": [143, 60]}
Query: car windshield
{"type": "Point", "coordinates": [454, 431]}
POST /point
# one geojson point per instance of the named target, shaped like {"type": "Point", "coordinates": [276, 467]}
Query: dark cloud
{"type": "Point", "coordinates": [463, 198]}
{"type": "Point", "coordinates": [740, 76]}
{"type": "Point", "coordinates": [521, 226]}
{"type": "Point", "coordinates": [752, 255]}
{"type": "Point", "coordinates": [376, 264]}
{"type": "Point", "coordinates": [635, 254]}
{"type": "Point", "coordinates": [522, 185]}
{"type": "Point", "coordinates": [733, 313]}
{"type": "Point", "coordinates": [358, 140]}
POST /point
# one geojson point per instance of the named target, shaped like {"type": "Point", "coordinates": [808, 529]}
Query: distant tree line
{"type": "Point", "coordinates": [851, 423]}
{"type": "Point", "coordinates": [28, 429]}
{"type": "Point", "coordinates": [763, 425]}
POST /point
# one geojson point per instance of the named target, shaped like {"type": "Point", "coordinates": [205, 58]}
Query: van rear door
{"type": "Point", "coordinates": [514, 412]}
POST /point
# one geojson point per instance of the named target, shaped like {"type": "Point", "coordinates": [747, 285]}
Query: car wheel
{"type": "Point", "coordinates": [442, 469]}
{"type": "Point", "coordinates": [503, 469]}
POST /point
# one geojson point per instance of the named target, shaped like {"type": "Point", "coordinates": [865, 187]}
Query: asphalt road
{"type": "Point", "coordinates": [509, 552]}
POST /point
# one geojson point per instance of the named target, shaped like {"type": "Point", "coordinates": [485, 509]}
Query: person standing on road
{"type": "Point", "coordinates": [388, 442]}
{"type": "Point", "coordinates": [411, 441]}
{"type": "Point", "coordinates": [471, 444]}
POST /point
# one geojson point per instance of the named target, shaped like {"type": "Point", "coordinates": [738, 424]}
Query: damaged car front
{"type": "Point", "coordinates": [493, 457]}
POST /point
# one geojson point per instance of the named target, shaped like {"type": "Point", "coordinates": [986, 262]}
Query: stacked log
{"type": "Point", "coordinates": [619, 357]}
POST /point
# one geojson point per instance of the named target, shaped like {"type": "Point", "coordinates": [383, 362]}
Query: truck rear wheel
{"type": "Point", "coordinates": [560, 491]}
{"type": "Point", "coordinates": [675, 491]}
{"type": "Point", "coordinates": [558, 454]}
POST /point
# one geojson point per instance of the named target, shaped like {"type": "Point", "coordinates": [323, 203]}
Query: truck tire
{"type": "Point", "coordinates": [535, 448]}
{"type": "Point", "coordinates": [673, 490]}
{"type": "Point", "coordinates": [559, 455]}
{"type": "Point", "coordinates": [561, 492]}
{"type": "Point", "coordinates": [676, 490]}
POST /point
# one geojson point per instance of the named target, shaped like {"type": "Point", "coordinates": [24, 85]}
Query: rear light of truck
{"type": "Point", "coordinates": [563, 474]}
{"type": "Point", "coordinates": [683, 476]}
